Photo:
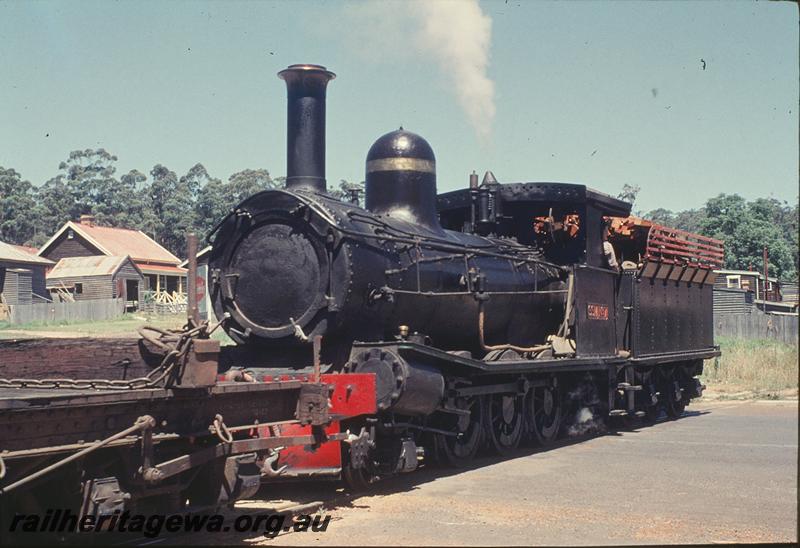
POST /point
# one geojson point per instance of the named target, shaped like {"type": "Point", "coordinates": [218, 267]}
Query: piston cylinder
{"type": "Point", "coordinates": [401, 387]}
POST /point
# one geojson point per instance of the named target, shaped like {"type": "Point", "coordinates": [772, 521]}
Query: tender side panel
{"type": "Point", "coordinates": [671, 315]}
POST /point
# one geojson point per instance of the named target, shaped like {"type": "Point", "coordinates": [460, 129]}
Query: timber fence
{"type": "Point", "coordinates": [757, 325]}
{"type": "Point", "coordinates": [89, 310]}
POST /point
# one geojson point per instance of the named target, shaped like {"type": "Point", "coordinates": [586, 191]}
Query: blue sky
{"type": "Point", "coordinates": [599, 93]}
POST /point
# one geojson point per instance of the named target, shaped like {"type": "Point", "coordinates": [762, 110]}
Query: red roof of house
{"type": "Point", "coordinates": [29, 250]}
{"type": "Point", "coordinates": [161, 269]}
{"type": "Point", "coordinates": [119, 242]}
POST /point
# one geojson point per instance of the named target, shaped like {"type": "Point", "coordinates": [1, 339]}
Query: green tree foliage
{"type": "Point", "coordinates": [689, 219]}
{"type": "Point", "coordinates": [121, 204]}
{"type": "Point", "coordinates": [745, 228]}
{"type": "Point", "coordinates": [89, 176]}
{"type": "Point", "coordinates": [138, 214]}
{"type": "Point", "coordinates": [349, 192]}
{"type": "Point", "coordinates": [54, 206]}
{"type": "Point", "coordinates": [16, 207]}
{"type": "Point", "coordinates": [661, 216]}
{"type": "Point", "coordinates": [748, 227]}
{"type": "Point", "coordinates": [629, 193]}
{"type": "Point", "coordinates": [172, 201]}
{"type": "Point", "coordinates": [216, 199]}
{"type": "Point", "coordinates": [166, 206]}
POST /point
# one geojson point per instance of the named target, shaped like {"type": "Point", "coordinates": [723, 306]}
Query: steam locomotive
{"type": "Point", "coordinates": [421, 326]}
{"type": "Point", "coordinates": [487, 316]}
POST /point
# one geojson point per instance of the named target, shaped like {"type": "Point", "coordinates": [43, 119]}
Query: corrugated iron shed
{"type": "Point", "coordinates": [789, 292]}
{"type": "Point", "coordinates": [75, 267]}
{"type": "Point", "coordinates": [732, 301]}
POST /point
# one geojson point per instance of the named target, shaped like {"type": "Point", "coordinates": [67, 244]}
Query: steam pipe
{"type": "Point", "coordinates": [305, 126]}
{"type": "Point", "coordinates": [489, 348]}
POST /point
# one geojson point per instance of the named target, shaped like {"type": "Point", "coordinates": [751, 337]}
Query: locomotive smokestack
{"type": "Point", "coordinates": [305, 120]}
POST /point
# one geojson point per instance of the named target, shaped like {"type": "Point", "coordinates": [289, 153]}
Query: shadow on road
{"type": "Point", "coordinates": [325, 496]}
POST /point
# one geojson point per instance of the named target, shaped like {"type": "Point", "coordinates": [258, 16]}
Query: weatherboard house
{"type": "Point", "coordinates": [740, 291]}
{"type": "Point", "coordinates": [96, 277]}
{"type": "Point", "coordinates": [133, 262]}
{"type": "Point", "coordinates": [22, 275]}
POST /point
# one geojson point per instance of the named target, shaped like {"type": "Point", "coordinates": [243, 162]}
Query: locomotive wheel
{"type": "Point", "coordinates": [505, 418]}
{"type": "Point", "coordinates": [359, 477]}
{"type": "Point", "coordinates": [356, 479]}
{"type": "Point", "coordinates": [459, 450]}
{"type": "Point", "coordinates": [673, 406]}
{"type": "Point", "coordinates": [544, 411]}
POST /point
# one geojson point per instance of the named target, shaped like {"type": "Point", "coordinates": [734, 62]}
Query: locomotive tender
{"type": "Point", "coordinates": [420, 325]}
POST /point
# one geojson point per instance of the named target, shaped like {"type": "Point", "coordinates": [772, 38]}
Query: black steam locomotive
{"type": "Point", "coordinates": [487, 315]}
{"type": "Point", "coordinates": [421, 324]}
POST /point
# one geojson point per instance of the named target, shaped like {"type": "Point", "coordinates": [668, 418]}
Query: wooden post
{"type": "Point", "coordinates": [191, 302]}
{"type": "Point", "coordinates": [766, 277]}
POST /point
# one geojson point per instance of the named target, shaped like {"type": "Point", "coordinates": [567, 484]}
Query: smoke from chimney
{"type": "Point", "coordinates": [458, 34]}
{"type": "Point", "coordinates": [455, 34]}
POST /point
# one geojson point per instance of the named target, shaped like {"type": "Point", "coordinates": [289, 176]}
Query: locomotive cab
{"type": "Point", "coordinates": [565, 222]}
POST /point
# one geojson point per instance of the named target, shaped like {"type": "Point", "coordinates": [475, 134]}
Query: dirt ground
{"type": "Point", "coordinates": [719, 392]}
{"type": "Point", "coordinates": [725, 472]}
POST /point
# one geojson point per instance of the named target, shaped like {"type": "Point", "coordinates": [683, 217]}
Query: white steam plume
{"type": "Point", "coordinates": [456, 33]}
{"type": "Point", "coordinates": [459, 35]}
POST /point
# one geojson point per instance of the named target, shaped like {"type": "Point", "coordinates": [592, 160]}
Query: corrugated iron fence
{"type": "Point", "coordinates": [98, 309]}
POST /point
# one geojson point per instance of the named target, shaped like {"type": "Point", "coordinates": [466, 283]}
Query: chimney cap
{"type": "Point", "coordinates": [305, 67]}
{"type": "Point", "coordinates": [86, 219]}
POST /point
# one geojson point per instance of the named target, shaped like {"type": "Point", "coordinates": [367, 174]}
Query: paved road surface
{"type": "Point", "coordinates": [726, 472]}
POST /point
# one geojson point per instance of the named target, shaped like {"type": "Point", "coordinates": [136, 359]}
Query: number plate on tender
{"type": "Point", "coordinates": [597, 311]}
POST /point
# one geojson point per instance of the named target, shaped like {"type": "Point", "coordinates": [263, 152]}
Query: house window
{"type": "Point", "coordinates": [70, 234]}
{"type": "Point", "coordinates": [734, 282]}
{"type": "Point", "coordinates": [78, 288]}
